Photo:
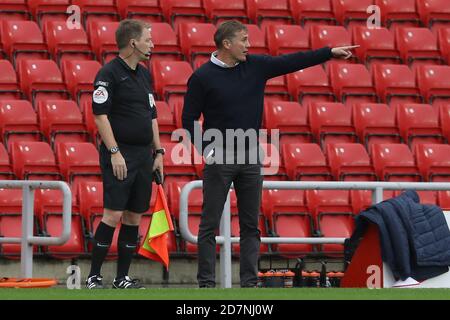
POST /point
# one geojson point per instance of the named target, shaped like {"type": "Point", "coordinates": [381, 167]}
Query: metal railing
{"type": "Point", "coordinates": [27, 240]}
{"type": "Point", "coordinates": [225, 239]}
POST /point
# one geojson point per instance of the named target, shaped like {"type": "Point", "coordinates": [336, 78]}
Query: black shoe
{"type": "Point", "coordinates": [206, 286]}
{"type": "Point", "coordinates": [126, 283]}
{"type": "Point", "coordinates": [95, 282]}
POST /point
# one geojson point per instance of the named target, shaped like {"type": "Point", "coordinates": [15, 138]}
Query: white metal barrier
{"type": "Point", "coordinates": [27, 240]}
{"type": "Point", "coordinates": [225, 239]}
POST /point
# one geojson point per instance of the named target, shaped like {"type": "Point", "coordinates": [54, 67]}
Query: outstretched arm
{"type": "Point", "coordinates": [287, 63]}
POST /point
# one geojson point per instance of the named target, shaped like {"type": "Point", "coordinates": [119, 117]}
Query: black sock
{"type": "Point", "coordinates": [102, 241]}
{"type": "Point", "coordinates": [127, 243]}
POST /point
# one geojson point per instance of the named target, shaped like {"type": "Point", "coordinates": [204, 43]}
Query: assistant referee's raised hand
{"type": "Point", "coordinates": [343, 52]}
{"type": "Point", "coordinates": [119, 166]}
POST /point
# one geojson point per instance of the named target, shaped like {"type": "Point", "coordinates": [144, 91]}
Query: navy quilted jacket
{"type": "Point", "coordinates": [413, 236]}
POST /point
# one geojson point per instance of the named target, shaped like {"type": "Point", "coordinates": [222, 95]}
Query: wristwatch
{"type": "Point", "coordinates": [161, 151]}
{"type": "Point", "coordinates": [114, 150]}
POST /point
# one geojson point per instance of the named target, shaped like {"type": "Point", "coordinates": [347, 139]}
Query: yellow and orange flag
{"type": "Point", "coordinates": [155, 244]}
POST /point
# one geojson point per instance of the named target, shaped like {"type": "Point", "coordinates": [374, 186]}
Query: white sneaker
{"type": "Point", "coordinates": [408, 283]}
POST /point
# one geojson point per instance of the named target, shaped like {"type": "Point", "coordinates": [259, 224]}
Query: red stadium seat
{"type": "Point", "coordinates": [395, 84]}
{"type": "Point", "coordinates": [195, 199]}
{"type": "Point", "coordinates": [292, 225]}
{"type": "Point", "coordinates": [102, 35]}
{"type": "Point", "coordinates": [282, 201]}
{"type": "Point", "coordinates": [48, 10]}
{"type": "Point", "coordinates": [64, 43]}
{"type": "Point", "coordinates": [444, 200]}
{"type": "Point", "coordinates": [165, 42]}
{"type": "Point", "coordinates": [166, 122]}
{"type": "Point", "coordinates": [6, 172]}
{"type": "Point", "coordinates": [33, 160]}
{"type": "Point", "coordinates": [10, 201]}
{"type": "Point", "coordinates": [61, 120]}
{"type": "Point", "coordinates": [197, 40]}
{"type": "Point", "coordinates": [444, 115]}
{"type": "Point", "coordinates": [375, 123]}
{"type": "Point", "coordinates": [284, 39]}
{"type": "Point", "coordinates": [305, 161]}
{"type": "Point", "coordinates": [41, 79]}
{"type": "Point", "coordinates": [332, 36]}
{"type": "Point", "coordinates": [53, 227]}
{"type": "Point", "coordinates": [396, 13]}
{"type": "Point", "coordinates": [417, 45]}
{"type": "Point", "coordinates": [90, 198]}
{"type": "Point", "coordinates": [444, 42]}
{"type": "Point", "coordinates": [272, 162]}
{"type": "Point", "coordinates": [434, 83]}
{"type": "Point", "coordinates": [178, 161]}
{"type": "Point", "coordinates": [77, 159]}
{"type": "Point", "coordinates": [170, 78]}
{"type": "Point", "coordinates": [309, 12]}
{"type": "Point", "coordinates": [103, 10]}
{"type": "Point", "coordinates": [14, 10]}
{"type": "Point", "coordinates": [18, 122]}
{"type": "Point", "coordinates": [434, 12]}
{"type": "Point", "coordinates": [331, 122]}
{"type": "Point", "coordinates": [176, 11]}
{"type": "Point", "coordinates": [257, 39]}
{"type": "Point", "coordinates": [11, 226]}
{"type": "Point", "coordinates": [352, 83]}
{"type": "Point", "coordinates": [350, 162]}
{"type": "Point", "coordinates": [419, 123]}
{"type": "Point", "coordinates": [376, 44]}
{"type": "Point", "coordinates": [332, 201]}
{"type": "Point", "coordinates": [264, 12]}
{"type": "Point", "coordinates": [79, 77]}
{"type": "Point", "coordinates": [427, 197]}
{"type": "Point", "coordinates": [51, 201]}
{"type": "Point", "coordinates": [349, 12]}
{"type": "Point", "coordinates": [147, 10]}
{"type": "Point", "coordinates": [217, 10]}
{"type": "Point", "coordinates": [276, 89]}
{"type": "Point", "coordinates": [23, 39]}
{"type": "Point", "coordinates": [11, 220]}
{"type": "Point", "coordinates": [9, 88]}
{"type": "Point", "coordinates": [433, 161]}
{"type": "Point", "coordinates": [394, 162]}
{"type": "Point", "coordinates": [290, 118]}
{"type": "Point", "coordinates": [49, 208]}
{"type": "Point", "coordinates": [361, 200]}
{"type": "Point", "coordinates": [310, 85]}
{"type": "Point", "coordinates": [335, 226]}
{"type": "Point", "coordinates": [89, 120]}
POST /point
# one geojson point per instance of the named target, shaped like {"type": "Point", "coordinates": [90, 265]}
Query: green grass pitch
{"type": "Point", "coordinates": [225, 294]}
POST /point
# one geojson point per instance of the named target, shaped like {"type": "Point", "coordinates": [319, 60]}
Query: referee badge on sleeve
{"type": "Point", "coordinates": [100, 95]}
{"type": "Point", "coordinates": [151, 100]}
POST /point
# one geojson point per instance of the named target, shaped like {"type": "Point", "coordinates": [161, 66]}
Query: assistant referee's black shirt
{"type": "Point", "coordinates": [125, 96]}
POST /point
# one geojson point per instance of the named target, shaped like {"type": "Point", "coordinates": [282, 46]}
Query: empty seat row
{"type": "Point", "coordinates": [388, 83]}
{"type": "Point", "coordinates": [427, 12]}
{"type": "Point", "coordinates": [325, 122]}
{"type": "Point", "coordinates": [61, 40]}
{"type": "Point", "coordinates": [350, 161]}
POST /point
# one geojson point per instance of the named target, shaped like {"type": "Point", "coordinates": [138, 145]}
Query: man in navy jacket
{"type": "Point", "coordinates": [229, 92]}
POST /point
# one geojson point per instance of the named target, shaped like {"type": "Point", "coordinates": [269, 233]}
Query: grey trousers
{"type": "Point", "coordinates": [217, 179]}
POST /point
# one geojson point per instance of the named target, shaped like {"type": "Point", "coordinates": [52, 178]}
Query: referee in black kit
{"type": "Point", "coordinates": [229, 91]}
{"type": "Point", "coordinates": [125, 114]}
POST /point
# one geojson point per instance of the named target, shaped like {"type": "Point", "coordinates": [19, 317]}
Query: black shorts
{"type": "Point", "coordinates": [134, 192]}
